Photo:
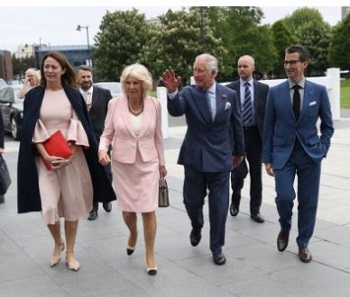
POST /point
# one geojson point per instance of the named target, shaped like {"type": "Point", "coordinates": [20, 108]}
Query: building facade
{"type": "Point", "coordinates": [6, 70]}
{"type": "Point", "coordinates": [76, 54]}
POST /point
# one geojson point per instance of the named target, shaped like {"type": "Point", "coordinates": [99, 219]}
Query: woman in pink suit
{"type": "Point", "coordinates": [133, 127]}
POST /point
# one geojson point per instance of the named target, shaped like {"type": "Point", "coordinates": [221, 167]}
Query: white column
{"type": "Point", "coordinates": [333, 75]}
{"type": "Point", "coordinates": [162, 97]}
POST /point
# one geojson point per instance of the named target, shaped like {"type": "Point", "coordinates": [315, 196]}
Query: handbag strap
{"type": "Point", "coordinates": [163, 184]}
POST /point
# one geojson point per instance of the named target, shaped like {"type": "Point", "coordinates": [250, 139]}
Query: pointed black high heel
{"type": "Point", "coordinates": [151, 271]}
{"type": "Point", "coordinates": [130, 250]}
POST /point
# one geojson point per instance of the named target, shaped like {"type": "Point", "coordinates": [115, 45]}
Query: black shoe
{"type": "Point", "coordinates": [151, 271]}
{"type": "Point", "coordinates": [282, 241]}
{"type": "Point", "coordinates": [234, 209]}
{"type": "Point", "coordinates": [92, 215]}
{"type": "Point", "coordinates": [305, 255]}
{"type": "Point", "coordinates": [2, 199]}
{"type": "Point", "coordinates": [107, 206]}
{"type": "Point", "coordinates": [257, 218]}
{"type": "Point", "coordinates": [219, 259]}
{"type": "Point", "coordinates": [195, 236]}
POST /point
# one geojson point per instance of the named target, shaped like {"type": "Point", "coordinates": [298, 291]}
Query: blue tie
{"type": "Point", "coordinates": [207, 94]}
{"type": "Point", "coordinates": [247, 106]}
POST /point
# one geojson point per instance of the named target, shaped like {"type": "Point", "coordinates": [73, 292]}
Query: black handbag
{"type": "Point", "coordinates": [5, 178]}
{"type": "Point", "coordinates": [163, 200]}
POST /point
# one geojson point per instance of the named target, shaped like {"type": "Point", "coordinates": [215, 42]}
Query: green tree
{"type": "Point", "coordinates": [282, 37]}
{"type": "Point", "coordinates": [178, 40]}
{"type": "Point", "coordinates": [20, 65]}
{"type": "Point", "coordinates": [310, 30]}
{"type": "Point", "coordinates": [241, 33]}
{"type": "Point", "coordinates": [120, 42]}
{"type": "Point", "coordinates": [339, 54]}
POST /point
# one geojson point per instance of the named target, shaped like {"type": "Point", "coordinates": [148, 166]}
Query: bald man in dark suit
{"type": "Point", "coordinates": [253, 135]}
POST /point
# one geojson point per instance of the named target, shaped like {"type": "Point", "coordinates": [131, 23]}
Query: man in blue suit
{"type": "Point", "coordinates": [208, 152]}
{"type": "Point", "coordinates": [292, 146]}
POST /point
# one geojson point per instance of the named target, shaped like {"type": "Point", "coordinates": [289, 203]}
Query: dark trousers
{"type": "Point", "coordinates": [196, 184]}
{"type": "Point", "coordinates": [253, 147]}
{"type": "Point", "coordinates": [308, 172]}
{"type": "Point", "coordinates": [108, 169]}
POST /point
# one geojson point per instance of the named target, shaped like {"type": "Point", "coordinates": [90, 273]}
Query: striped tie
{"type": "Point", "coordinates": [247, 106]}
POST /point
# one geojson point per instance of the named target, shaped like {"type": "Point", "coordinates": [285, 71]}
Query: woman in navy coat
{"type": "Point", "coordinates": [69, 189]}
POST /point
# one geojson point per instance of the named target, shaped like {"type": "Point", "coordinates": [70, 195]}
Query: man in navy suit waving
{"type": "Point", "coordinates": [208, 152]}
{"type": "Point", "coordinates": [293, 146]}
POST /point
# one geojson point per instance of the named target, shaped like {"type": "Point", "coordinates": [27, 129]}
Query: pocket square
{"type": "Point", "coordinates": [227, 105]}
{"type": "Point", "coordinates": [57, 145]}
{"type": "Point", "coordinates": [312, 103]}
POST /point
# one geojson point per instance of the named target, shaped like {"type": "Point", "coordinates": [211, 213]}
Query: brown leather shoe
{"type": "Point", "coordinates": [282, 241]}
{"type": "Point", "coordinates": [305, 255]}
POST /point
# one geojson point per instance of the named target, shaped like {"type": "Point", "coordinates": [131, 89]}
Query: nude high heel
{"type": "Point", "coordinates": [72, 264]}
{"type": "Point", "coordinates": [56, 256]}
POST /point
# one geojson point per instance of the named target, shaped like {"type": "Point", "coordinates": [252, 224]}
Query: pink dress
{"type": "Point", "coordinates": [138, 150]}
{"type": "Point", "coordinates": [136, 184]}
{"type": "Point", "coordinates": [66, 192]}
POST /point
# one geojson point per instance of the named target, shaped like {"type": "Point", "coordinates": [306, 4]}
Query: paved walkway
{"type": "Point", "coordinates": [254, 267]}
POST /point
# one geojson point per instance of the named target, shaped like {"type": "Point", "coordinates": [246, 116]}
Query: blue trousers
{"type": "Point", "coordinates": [308, 174]}
{"type": "Point", "coordinates": [196, 184]}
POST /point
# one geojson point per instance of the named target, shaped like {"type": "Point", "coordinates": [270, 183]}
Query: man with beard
{"type": "Point", "coordinates": [96, 99]}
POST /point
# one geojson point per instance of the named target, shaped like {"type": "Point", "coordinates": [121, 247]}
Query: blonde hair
{"type": "Point", "coordinates": [141, 73]}
{"type": "Point", "coordinates": [34, 72]}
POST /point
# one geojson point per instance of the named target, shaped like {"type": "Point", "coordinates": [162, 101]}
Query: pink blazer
{"type": "Point", "coordinates": [119, 132]}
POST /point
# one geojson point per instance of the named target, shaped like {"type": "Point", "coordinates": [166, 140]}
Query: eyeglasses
{"type": "Point", "coordinates": [291, 62]}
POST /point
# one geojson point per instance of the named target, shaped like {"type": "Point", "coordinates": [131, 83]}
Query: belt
{"type": "Point", "coordinates": [250, 128]}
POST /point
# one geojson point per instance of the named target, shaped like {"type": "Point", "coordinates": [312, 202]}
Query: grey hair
{"type": "Point", "coordinates": [212, 62]}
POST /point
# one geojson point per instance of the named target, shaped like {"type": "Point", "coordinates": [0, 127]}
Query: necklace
{"type": "Point", "coordinates": [135, 112]}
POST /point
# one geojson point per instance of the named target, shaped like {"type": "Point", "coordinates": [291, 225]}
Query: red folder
{"type": "Point", "coordinates": [58, 146]}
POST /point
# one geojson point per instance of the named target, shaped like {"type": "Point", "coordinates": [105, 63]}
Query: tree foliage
{"type": "Point", "coordinates": [120, 42]}
{"type": "Point", "coordinates": [126, 37]}
{"type": "Point", "coordinates": [339, 54]}
{"type": "Point", "coordinates": [20, 65]}
{"type": "Point", "coordinates": [238, 28]}
{"type": "Point", "coordinates": [180, 39]}
{"type": "Point", "coordinates": [310, 30]}
{"type": "Point", "coordinates": [282, 37]}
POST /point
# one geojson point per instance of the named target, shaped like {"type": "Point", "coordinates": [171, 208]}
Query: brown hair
{"type": "Point", "coordinates": [67, 78]}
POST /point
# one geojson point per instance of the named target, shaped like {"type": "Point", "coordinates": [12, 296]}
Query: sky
{"type": "Point", "coordinates": [56, 25]}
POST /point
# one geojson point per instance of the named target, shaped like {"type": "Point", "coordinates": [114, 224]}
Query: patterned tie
{"type": "Point", "coordinates": [87, 98]}
{"type": "Point", "coordinates": [296, 101]}
{"type": "Point", "coordinates": [247, 106]}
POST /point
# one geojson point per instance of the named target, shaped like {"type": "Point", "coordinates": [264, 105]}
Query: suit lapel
{"type": "Point", "coordinates": [124, 113]}
{"type": "Point", "coordinates": [308, 95]}
{"type": "Point", "coordinates": [200, 100]}
{"type": "Point", "coordinates": [149, 109]}
{"type": "Point", "coordinates": [94, 97]}
{"type": "Point", "coordinates": [221, 99]}
{"type": "Point", "coordinates": [237, 88]}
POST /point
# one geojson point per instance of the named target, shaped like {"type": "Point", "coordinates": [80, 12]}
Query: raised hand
{"type": "Point", "coordinates": [170, 81]}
